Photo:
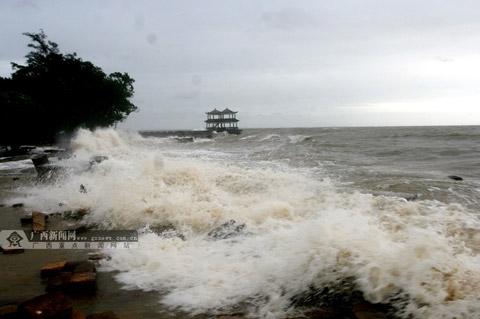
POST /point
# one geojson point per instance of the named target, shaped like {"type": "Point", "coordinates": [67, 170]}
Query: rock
{"type": "Point", "coordinates": [17, 205]}
{"type": "Point", "coordinates": [77, 227]}
{"type": "Point", "coordinates": [38, 221]}
{"type": "Point", "coordinates": [83, 190]}
{"type": "Point", "coordinates": [14, 300]}
{"type": "Point", "coordinates": [53, 269]}
{"type": "Point", "coordinates": [85, 266]}
{"type": "Point", "coordinates": [71, 265]}
{"type": "Point", "coordinates": [78, 214]}
{"type": "Point", "coordinates": [94, 160]}
{"type": "Point", "coordinates": [77, 315]}
{"type": "Point", "coordinates": [370, 315]}
{"type": "Point", "coordinates": [455, 177]}
{"type": "Point", "coordinates": [184, 139]}
{"type": "Point", "coordinates": [365, 310]}
{"type": "Point", "coordinates": [11, 251]}
{"type": "Point", "coordinates": [227, 230]}
{"type": "Point", "coordinates": [8, 311]}
{"type": "Point", "coordinates": [409, 197]}
{"type": "Point", "coordinates": [26, 220]}
{"type": "Point", "coordinates": [40, 160]}
{"type": "Point", "coordinates": [103, 315]}
{"type": "Point", "coordinates": [96, 256]}
{"type": "Point", "coordinates": [84, 282]}
{"type": "Point", "coordinates": [51, 305]}
{"type": "Point", "coordinates": [59, 282]}
{"type": "Point", "coordinates": [321, 314]}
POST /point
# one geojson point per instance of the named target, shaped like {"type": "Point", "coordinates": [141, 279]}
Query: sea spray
{"type": "Point", "coordinates": [299, 232]}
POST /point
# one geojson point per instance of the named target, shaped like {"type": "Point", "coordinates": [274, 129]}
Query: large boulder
{"type": "Point", "coordinates": [39, 221]}
{"type": "Point", "coordinates": [53, 269]}
{"type": "Point", "coordinates": [51, 305]}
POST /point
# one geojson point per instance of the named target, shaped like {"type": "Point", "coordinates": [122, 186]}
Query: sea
{"type": "Point", "coordinates": [251, 222]}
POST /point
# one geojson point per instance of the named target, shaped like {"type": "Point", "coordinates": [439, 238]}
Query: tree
{"type": "Point", "coordinates": [57, 93]}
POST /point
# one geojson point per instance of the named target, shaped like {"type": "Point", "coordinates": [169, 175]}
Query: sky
{"type": "Point", "coordinates": [303, 63]}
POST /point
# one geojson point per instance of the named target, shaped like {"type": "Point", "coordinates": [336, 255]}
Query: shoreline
{"type": "Point", "coordinates": [21, 272]}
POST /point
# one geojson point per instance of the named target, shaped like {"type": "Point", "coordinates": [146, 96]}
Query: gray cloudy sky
{"type": "Point", "coordinates": [279, 63]}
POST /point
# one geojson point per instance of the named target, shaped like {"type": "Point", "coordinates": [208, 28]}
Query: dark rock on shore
{"type": "Point", "coordinates": [85, 282]}
{"type": "Point", "coordinates": [227, 230]}
{"type": "Point", "coordinates": [103, 315]}
{"type": "Point", "coordinates": [8, 311]}
{"type": "Point", "coordinates": [97, 159]}
{"type": "Point", "coordinates": [85, 266]}
{"type": "Point", "coordinates": [78, 315]}
{"type": "Point", "coordinates": [71, 277]}
{"type": "Point", "coordinates": [51, 305]}
{"type": "Point", "coordinates": [96, 256]}
{"type": "Point", "coordinates": [11, 251]}
{"type": "Point", "coordinates": [53, 269]}
{"type": "Point", "coordinates": [455, 177]}
{"type": "Point", "coordinates": [365, 310]}
{"type": "Point", "coordinates": [78, 214]}
{"type": "Point", "coordinates": [17, 205]}
{"type": "Point", "coordinates": [40, 160]}
{"type": "Point", "coordinates": [39, 221]}
{"type": "Point", "coordinates": [26, 220]}
{"type": "Point", "coordinates": [59, 281]}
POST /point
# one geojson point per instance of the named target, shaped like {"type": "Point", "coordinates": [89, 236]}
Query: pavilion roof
{"type": "Point", "coordinates": [227, 110]}
{"type": "Point", "coordinates": [215, 111]}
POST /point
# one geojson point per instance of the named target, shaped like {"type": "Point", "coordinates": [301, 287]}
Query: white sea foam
{"type": "Point", "coordinates": [298, 233]}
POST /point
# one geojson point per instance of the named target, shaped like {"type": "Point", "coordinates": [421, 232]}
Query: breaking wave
{"type": "Point", "coordinates": [260, 237]}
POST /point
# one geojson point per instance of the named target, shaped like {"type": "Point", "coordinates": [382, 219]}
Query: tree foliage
{"type": "Point", "coordinates": [56, 93]}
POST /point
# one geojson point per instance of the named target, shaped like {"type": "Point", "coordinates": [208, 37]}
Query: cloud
{"type": "Point", "coordinates": [188, 95]}
{"type": "Point", "coordinates": [139, 22]}
{"type": "Point", "coordinates": [287, 19]}
{"type": "Point", "coordinates": [152, 38]}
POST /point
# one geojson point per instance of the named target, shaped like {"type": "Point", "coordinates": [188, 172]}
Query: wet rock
{"type": "Point", "coordinates": [51, 305]}
{"type": "Point", "coordinates": [84, 282]}
{"type": "Point", "coordinates": [40, 160]}
{"type": "Point", "coordinates": [97, 159]}
{"type": "Point", "coordinates": [77, 227]}
{"type": "Point", "coordinates": [72, 264]}
{"type": "Point", "coordinates": [8, 311]}
{"type": "Point", "coordinates": [227, 230]}
{"type": "Point", "coordinates": [184, 139]}
{"type": "Point", "coordinates": [96, 256]}
{"type": "Point", "coordinates": [167, 231]}
{"type": "Point", "coordinates": [78, 214]}
{"type": "Point", "coordinates": [85, 266]}
{"type": "Point", "coordinates": [39, 221]}
{"type": "Point", "coordinates": [53, 269]}
{"type": "Point", "coordinates": [455, 177]}
{"type": "Point", "coordinates": [17, 205]}
{"type": "Point", "coordinates": [26, 220]}
{"type": "Point", "coordinates": [322, 314]}
{"type": "Point", "coordinates": [83, 190]}
{"type": "Point", "coordinates": [14, 300]}
{"type": "Point", "coordinates": [11, 251]}
{"type": "Point", "coordinates": [59, 282]}
{"type": "Point", "coordinates": [77, 315]}
{"type": "Point", "coordinates": [103, 315]}
{"type": "Point", "coordinates": [365, 310]}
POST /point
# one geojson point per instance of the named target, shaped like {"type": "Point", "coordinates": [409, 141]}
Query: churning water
{"type": "Point", "coordinates": [258, 219]}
